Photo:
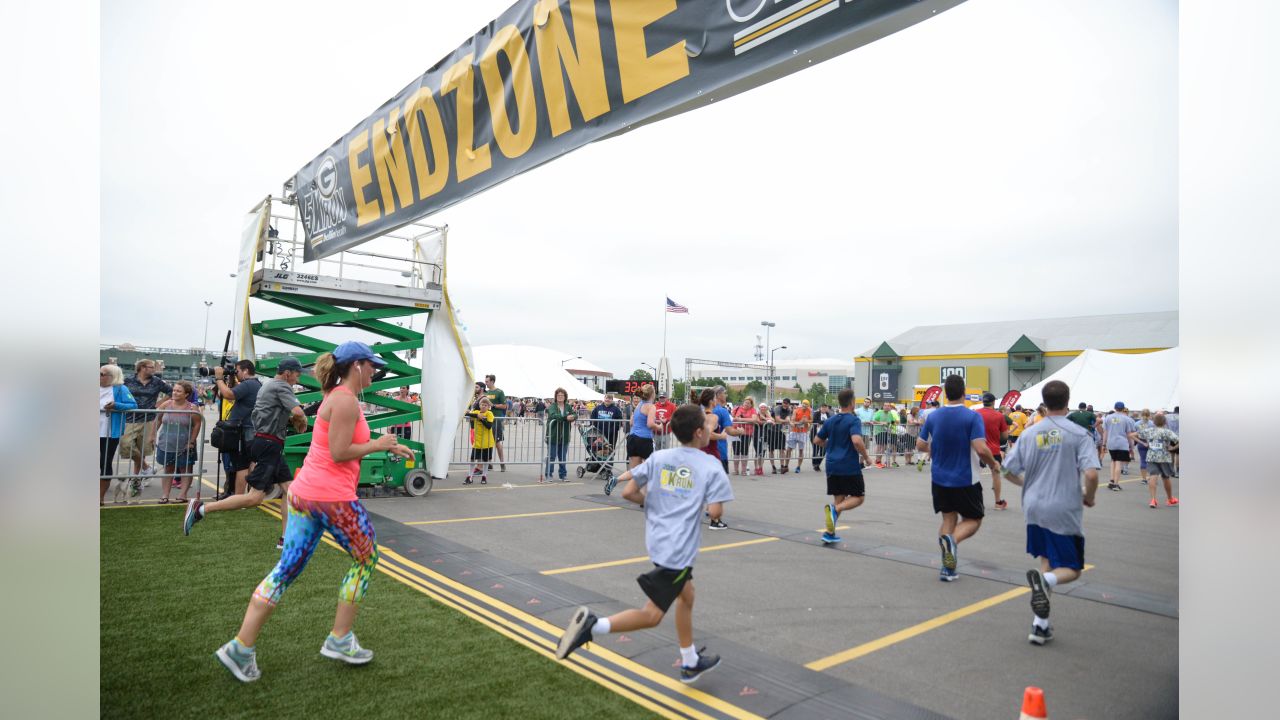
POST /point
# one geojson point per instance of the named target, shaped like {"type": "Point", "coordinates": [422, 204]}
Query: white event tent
{"type": "Point", "coordinates": [1141, 380]}
{"type": "Point", "coordinates": [530, 371]}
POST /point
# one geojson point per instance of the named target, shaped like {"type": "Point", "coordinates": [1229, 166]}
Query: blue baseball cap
{"type": "Point", "coordinates": [353, 350]}
{"type": "Point", "coordinates": [1119, 405]}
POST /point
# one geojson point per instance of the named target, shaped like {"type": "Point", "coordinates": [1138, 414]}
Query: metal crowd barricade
{"type": "Point", "coordinates": [136, 445]}
{"type": "Point", "coordinates": [590, 443]}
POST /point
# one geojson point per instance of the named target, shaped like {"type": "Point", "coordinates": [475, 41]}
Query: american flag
{"type": "Point", "coordinates": [675, 307]}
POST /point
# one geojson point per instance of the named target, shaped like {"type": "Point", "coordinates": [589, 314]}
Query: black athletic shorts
{"type": "Point", "coordinates": [639, 447]}
{"type": "Point", "coordinates": [664, 585]}
{"type": "Point", "coordinates": [999, 460]}
{"type": "Point", "coordinates": [269, 466]}
{"type": "Point", "coordinates": [1120, 455]}
{"type": "Point", "coordinates": [481, 454]}
{"type": "Point", "coordinates": [846, 485]}
{"type": "Point", "coordinates": [964, 500]}
{"type": "Point", "coordinates": [497, 429]}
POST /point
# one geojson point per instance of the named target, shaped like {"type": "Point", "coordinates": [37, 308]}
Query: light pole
{"type": "Point", "coordinates": [204, 352]}
{"type": "Point", "coordinates": [575, 357]}
{"type": "Point", "coordinates": [766, 325]}
{"type": "Point", "coordinates": [771, 352]}
{"type": "Point", "coordinates": [654, 369]}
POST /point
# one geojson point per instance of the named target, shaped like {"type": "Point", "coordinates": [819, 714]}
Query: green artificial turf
{"type": "Point", "coordinates": [169, 601]}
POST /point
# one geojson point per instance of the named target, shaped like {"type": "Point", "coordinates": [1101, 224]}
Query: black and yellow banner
{"type": "Point", "coordinates": [548, 77]}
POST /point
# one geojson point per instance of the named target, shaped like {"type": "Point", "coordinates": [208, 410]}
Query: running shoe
{"type": "Point", "coordinates": [1153, 504]}
{"type": "Point", "coordinates": [759, 471]}
{"type": "Point", "coordinates": [919, 466]}
{"type": "Point", "coordinates": [192, 516]}
{"type": "Point", "coordinates": [829, 514]}
{"type": "Point", "coordinates": [896, 465]}
{"type": "Point", "coordinates": [1124, 471]}
{"type": "Point", "coordinates": [773, 471]}
{"type": "Point", "coordinates": [1039, 635]}
{"type": "Point", "coordinates": [1002, 504]}
{"type": "Point", "coordinates": [346, 649]}
{"type": "Point", "coordinates": [1144, 481]}
{"type": "Point", "coordinates": [610, 484]}
{"type": "Point", "coordinates": [797, 468]}
{"type": "Point", "coordinates": [484, 479]}
{"type": "Point", "coordinates": [502, 467]}
{"type": "Point", "coordinates": [243, 666]}
{"type": "Point", "coordinates": [718, 525]}
{"type": "Point", "coordinates": [706, 662]}
{"type": "Point", "coordinates": [830, 538]}
{"type": "Point", "coordinates": [946, 575]}
{"type": "Point", "coordinates": [1171, 501]}
{"type": "Point", "coordinates": [785, 470]}
{"type": "Point", "coordinates": [948, 545]}
{"type": "Point", "coordinates": [1040, 592]}
{"type": "Point", "coordinates": [577, 634]}
{"type": "Point", "coordinates": [1114, 487]}
{"type": "Point", "coordinates": [541, 480]}
{"type": "Point", "coordinates": [467, 481]}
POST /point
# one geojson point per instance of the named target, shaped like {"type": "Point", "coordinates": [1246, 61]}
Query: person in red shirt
{"type": "Point", "coordinates": [997, 432]}
{"type": "Point", "coordinates": [662, 412]}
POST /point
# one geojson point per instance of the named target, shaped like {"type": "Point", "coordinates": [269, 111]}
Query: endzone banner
{"type": "Point", "coordinates": [548, 77]}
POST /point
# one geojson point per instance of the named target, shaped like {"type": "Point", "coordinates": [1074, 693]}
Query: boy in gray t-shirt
{"type": "Point", "coordinates": [1047, 462]}
{"type": "Point", "coordinates": [673, 486]}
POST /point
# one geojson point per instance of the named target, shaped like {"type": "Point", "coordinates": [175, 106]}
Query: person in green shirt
{"type": "Point", "coordinates": [499, 401]}
{"type": "Point", "coordinates": [885, 419]}
{"type": "Point", "coordinates": [560, 418]}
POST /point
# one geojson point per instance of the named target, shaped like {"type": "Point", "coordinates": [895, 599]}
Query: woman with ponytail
{"type": "Point", "coordinates": [323, 498]}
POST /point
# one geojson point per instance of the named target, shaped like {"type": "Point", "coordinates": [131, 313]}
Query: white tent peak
{"type": "Point", "coordinates": [532, 371]}
{"type": "Point", "coordinates": [1139, 380]}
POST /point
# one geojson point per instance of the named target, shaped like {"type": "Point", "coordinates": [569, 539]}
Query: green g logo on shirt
{"type": "Point", "coordinates": [680, 478]}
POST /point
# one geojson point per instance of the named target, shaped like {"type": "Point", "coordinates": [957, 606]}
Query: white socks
{"type": "Point", "coordinates": [689, 656]}
{"type": "Point", "coordinates": [1051, 579]}
{"type": "Point", "coordinates": [601, 627]}
{"type": "Point", "coordinates": [1042, 623]}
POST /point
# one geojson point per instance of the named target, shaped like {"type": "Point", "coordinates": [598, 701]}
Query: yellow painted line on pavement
{"type": "Point", "coordinates": [468, 607]}
{"type": "Point", "coordinates": [504, 487]}
{"type": "Point", "coordinates": [507, 517]}
{"type": "Point", "coordinates": [645, 558]}
{"type": "Point", "coordinates": [867, 648]}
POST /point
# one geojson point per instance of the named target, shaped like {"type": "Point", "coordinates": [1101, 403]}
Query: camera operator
{"type": "Point", "coordinates": [243, 395]}
{"type": "Point", "coordinates": [274, 410]}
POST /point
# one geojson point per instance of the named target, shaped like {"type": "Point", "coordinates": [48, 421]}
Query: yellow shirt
{"type": "Point", "coordinates": [483, 436]}
{"type": "Point", "coordinates": [1018, 423]}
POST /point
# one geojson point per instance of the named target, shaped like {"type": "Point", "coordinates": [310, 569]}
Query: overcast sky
{"type": "Point", "coordinates": [1006, 159]}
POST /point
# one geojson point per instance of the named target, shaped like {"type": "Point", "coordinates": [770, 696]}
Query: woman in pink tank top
{"type": "Point", "coordinates": [323, 497]}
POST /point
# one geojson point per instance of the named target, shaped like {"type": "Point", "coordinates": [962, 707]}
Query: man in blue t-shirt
{"type": "Point", "coordinates": [841, 435]}
{"type": "Point", "coordinates": [952, 435]}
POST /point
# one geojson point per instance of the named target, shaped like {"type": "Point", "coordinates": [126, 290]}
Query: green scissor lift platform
{"type": "Point", "coordinates": [326, 301]}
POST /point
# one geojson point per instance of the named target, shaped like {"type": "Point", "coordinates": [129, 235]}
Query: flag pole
{"type": "Point", "coordinates": [664, 325]}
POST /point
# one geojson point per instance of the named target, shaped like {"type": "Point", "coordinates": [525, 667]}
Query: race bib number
{"type": "Point", "coordinates": [1157, 445]}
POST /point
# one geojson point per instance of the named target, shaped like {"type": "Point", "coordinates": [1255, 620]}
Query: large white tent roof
{"type": "Point", "coordinates": [1142, 380]}
{"type": "Point", "coordinates": [1107, 332]}
{"type": "Point", "coordinates": [530, 371]}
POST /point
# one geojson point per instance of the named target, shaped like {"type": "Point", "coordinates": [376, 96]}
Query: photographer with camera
{"type": "Point", "coordinates": [274, 410]}
{"type": "Point", "coordinates": [243, 395]}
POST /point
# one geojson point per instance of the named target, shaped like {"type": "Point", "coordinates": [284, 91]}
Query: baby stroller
{"type": "Point", "coordinates": [599, 456]}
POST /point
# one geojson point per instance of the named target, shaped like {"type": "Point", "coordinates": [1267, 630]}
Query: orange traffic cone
{"type": "Point", "coordinates": [1033, 705]}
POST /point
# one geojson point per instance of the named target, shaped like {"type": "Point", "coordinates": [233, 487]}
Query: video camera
{"type": "Point", "coordinates": [227, 362]}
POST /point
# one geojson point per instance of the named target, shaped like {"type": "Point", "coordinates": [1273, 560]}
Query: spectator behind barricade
{"type": "Point", "coordinates": [820, 416]}
{"type": "Point", "coordinates": [403, 430]}
{"type": "Point", "coordinates": [724, 429]}
{"type": "Point", "coordinates": [746, 417]}
{"type": "Point", "coordinates": [243, 397]}
{"type": "Point", "coordinates": [799, 433]}
{"type": "Point", "coordinates": [782, 412]}
{"type": "Point", "coordinates": [912, 424]}
{"type": "Point", "coordinates": [113, 397]}
{"type": "Point", "coordinates": [606, 417]}
{"type": "Point", "coordinates": [560, 418]}
{"type": "Point", "coordinates": [663, 409]}
{"type": "Point", "coordinates": [884, 419]}
{"type": "Point", "coordinates": [174, 436]}
{"type": "Point", "coordinates": [146, 387]}
{"type": "Point", "coordinates": [498, 401]}
{"type": "Point", "coordinates": [475, 397]}
{"type": "Point", "coordinates": [766, 439]}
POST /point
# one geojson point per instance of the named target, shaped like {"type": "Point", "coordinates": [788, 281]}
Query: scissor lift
{"type": "Point", "coordinates": [337, 292]}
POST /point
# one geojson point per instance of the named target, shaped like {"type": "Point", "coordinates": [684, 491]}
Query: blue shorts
{"type": "Point", "coordinates": [180, 459]}
{"type": "Point", "coordinates": [1063, 551]}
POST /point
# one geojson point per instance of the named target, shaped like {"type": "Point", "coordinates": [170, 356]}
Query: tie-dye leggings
{"type": "Point", "coordinates": [308, 520]}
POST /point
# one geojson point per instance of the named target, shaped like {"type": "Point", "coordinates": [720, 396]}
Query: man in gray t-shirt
{"type": "Point", "coordinates": [275, 409]}
{"type": "Point", "coordinates": [1121, 432]}
{"type": "Point", "coordinates": [1047, 461]}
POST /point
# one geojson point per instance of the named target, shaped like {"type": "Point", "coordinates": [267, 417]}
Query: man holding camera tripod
{"type": "Point", "coordinates": [243, 395]}
{"type": "Point", "coordinates": [275, 409]}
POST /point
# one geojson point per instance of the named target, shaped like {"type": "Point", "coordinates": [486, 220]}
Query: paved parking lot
{"type": "Point", "coordinates": [870, 612]}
